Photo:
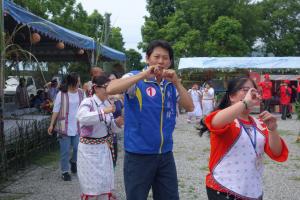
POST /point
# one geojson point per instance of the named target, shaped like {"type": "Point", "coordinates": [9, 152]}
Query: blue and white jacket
{"type": "Point", "coordinates": [150, 114]}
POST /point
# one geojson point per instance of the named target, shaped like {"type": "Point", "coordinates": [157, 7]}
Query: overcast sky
{"type": "Point", "coordinates": [126, 14]}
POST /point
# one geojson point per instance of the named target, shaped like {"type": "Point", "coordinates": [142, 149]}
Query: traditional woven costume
{"type": "Point", "coordinates": [95, 165]}
{"type": "Point", "coordinates": [196, 97]}
{"type": "Point", "coordinates": [236, 159]}
{"type": "Point", "coordinates": [208, 101]}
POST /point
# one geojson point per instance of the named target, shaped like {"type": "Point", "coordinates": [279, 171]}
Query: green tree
{"type": "Point", "coordinates": [69, 14]}
{"type": "Point", "coordinates": [116, 39]}
{"type": "Point", "coordinates": [186, 41]}
{"type": "Point", "coordinates": [280, 26]}
{"type": "Point", "coordinates": [187, 26]}
{"type": "Point", "coordinates": [133, 61]}
{"type": "Point", "coordinates": [95, 27]}
{"type": "Point", "coordinates": [159, 12]}
{"type": "Point", "coordinates": [225, 38]}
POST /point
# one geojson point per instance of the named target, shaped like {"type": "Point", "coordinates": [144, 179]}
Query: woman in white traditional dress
{"type": "Point", "coordinates": [95, 164]}
{"type": "Point", "coordinates": [208, 99]}
{"type": "Point", "coordinates": [196, 96]}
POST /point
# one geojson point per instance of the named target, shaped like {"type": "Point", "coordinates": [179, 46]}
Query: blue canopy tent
{"type": "Point", "coordinates": [45, 50]}
{"type": "Point", "coordinates": [111, 53]}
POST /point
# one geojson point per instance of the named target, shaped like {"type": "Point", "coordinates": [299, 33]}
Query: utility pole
{"type": "Point", "coordinates": [2, 56]}
{"type": "Point", "coordinates": [106, 28]}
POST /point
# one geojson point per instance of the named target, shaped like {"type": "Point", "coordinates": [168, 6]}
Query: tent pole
{"type": "Point", "coordinates": [125, 67]}
{"type": "Point", "coordinates": [3, 160]}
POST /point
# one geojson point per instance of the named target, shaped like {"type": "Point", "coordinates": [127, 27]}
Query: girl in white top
{"type": "Point", "coordinates": [95, 165]}
{"type": "Point", "coordinates": [196, 95]}
{"type": "Point", "coordinates": [208, 99]}
{"type": "Point", "coordinates": [65, 108]}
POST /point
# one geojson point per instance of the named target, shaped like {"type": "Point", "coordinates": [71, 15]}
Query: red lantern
{"type": "Point", "coordinates": [60, 45]}
{"type": "Point", "coordinates": [35, 38]}
{"type": "Point", "coordinates": [80, 52]}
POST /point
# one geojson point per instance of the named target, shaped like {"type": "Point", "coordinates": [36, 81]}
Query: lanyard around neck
{"type": "Point", "coordinates": [254, 140]}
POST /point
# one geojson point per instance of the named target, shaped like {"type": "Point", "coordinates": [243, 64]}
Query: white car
{"type": "Point", "coordinates": [12, 83]}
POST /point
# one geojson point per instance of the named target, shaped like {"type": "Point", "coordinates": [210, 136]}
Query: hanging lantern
{"type": "Point", "coordinates": [60, 45]}
{"type": "Point", "coordinates": [35, 38]}
{"type": "Point", "coordinates": [80, 51]}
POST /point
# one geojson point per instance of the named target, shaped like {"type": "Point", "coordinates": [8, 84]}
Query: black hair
{"type": "Point", "coordinates": [39, 92]}
{"type": "Point", "coordinates": [163, 44]}
{"type": "Point", "coordinates": [71, 80]}
{"type": "Point", "coordinates": [22, 82]}
{"type": "Point", "coordinates": [234, 85]}
{"type": "Point", "coordinates": [99, 80]}
{"type": "Point", "coordinates": [114, 74]}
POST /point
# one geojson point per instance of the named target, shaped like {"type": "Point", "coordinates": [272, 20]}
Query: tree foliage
{"type": "Point", "coordinates": [133, 60]}
{"type": "Point", "coordinates": [71, 15]}
{"type": "Point", "coordinates": [116, 39]}
{"type": "Point", "coordinates": [159, 13]}
{"type": "Point", "coordinates": [225, 38]}
{"type": "Point", "coordinates": [280, 22]}
{"type": "Point", "coordinates": [224, 28]}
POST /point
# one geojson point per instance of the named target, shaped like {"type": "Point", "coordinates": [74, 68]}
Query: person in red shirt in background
{"type": "Point", "coordinates": [266, 89]}
{"type": "Point", "coordinates": [285, 98]}
{"type": "Point", "coordinates": [297, 89]}
{"type": "Point", "coordinates": [298, 99]}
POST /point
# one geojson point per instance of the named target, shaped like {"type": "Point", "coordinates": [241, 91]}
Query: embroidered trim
{"type": "Point", "coordinates": [106, 139]}
{"type": "Point", "coordinates": [103, 140]}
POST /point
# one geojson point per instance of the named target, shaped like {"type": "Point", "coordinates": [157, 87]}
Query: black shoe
{"type": "Point", "coordinates": [289, 116]}
{"type": "Point", "coordinates": [66, 176]}
{"type": "Point", "coordinates": [197, 127]}
{"type": "Point", "coordinates": [73, 167]}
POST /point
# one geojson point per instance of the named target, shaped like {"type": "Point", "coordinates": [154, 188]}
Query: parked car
{"type": "Point", "coordinates": [12, 83]}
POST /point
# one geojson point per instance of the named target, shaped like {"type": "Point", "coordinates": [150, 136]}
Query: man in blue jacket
{"type": "Point", "coordinates": [150, 112]}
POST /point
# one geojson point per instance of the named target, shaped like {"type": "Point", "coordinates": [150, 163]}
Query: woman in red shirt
{"type": "Point", "coordinates": [285, 99]}
{"type": "Point", "coordinates": [238, 144]}
{"type": "Point", "coordinates": [266, 89]}
{"type": "Point", "coordinates": [298, 89]}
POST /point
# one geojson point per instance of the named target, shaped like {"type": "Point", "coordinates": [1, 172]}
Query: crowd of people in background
{"type": "Point", "coordinates": [285, 93]}
{"type": "Point", "coordinates": [88, 120]}
{"type": "Point", "coordinates": [204, 98]}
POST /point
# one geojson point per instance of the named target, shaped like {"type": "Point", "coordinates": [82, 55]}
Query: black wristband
{"type": "Point", "coordinates": [245, 103]}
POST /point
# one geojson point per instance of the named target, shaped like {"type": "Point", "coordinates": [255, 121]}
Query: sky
{"type": "Point", "coordinates": [126, 14]}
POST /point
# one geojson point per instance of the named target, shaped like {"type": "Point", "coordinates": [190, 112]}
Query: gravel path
{"type": "Point", "coordinates": [281, 180]}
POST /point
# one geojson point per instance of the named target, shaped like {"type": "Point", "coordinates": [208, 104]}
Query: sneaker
{"type": "Point", "coordinates": [73, 167]}
{"type": "Point", "coordinates": [66, 176]}
{"type": "Point", "coordinates": [189, 121]}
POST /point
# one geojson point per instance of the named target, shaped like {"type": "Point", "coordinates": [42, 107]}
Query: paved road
{"type": "Point", "coordinates": [281, 180]}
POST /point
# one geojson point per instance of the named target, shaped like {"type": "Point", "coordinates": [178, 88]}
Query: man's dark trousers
{"type": "Point", "coordinates": [143, 171]}
{"type": "Point", "coordinates": [267, 103]}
